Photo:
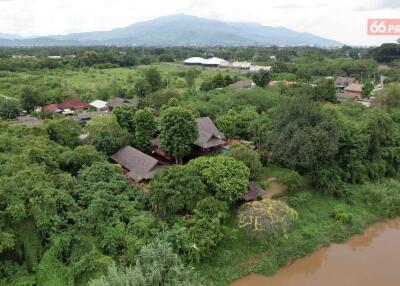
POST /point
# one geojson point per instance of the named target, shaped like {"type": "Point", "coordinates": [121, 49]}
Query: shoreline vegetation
{"type": "Point", "coordinates": [238, 255]}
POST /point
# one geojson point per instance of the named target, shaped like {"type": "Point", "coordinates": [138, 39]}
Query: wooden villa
{"type": "Point", "coordinates": [138, 166]}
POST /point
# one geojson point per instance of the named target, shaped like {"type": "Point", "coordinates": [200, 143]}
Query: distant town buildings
{"type": "Point", "coordinates": [223, 64]}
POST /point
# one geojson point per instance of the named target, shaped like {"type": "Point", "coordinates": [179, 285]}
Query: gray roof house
{"type": "Point", "coordinates": [209, 135]}
{"type": "Point", "coordinates": [85, 117]}
{"type": "Point", "coordinates": [118, 101]}
{"type": "Point", "coordinates": [138, 165]}
{"type": "Point", "coordinates": [27, 121]}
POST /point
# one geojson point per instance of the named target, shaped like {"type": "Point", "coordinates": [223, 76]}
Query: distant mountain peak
{"type": "Point", "coordinates": [185, 30]}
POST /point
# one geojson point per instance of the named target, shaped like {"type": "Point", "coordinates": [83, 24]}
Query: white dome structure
{"type": "Point", "coordinates": [194, 61]}
{"type": "Point", "coordinates": [215, 62]}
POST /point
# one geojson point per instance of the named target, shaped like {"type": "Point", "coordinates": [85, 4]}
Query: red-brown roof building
{"type": "Point", "coordinates": [73, 103]}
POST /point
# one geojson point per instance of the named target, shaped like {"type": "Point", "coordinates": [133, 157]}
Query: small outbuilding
{"type": "Point", "coordinates": [255, 192]}
{"type": "Point", "coordinates": [99, 104]}
{"type": "Point", "coordinates": [354, 90]}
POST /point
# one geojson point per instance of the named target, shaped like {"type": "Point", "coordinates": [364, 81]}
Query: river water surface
{"type": "Point", "coordinates": [371, 259]}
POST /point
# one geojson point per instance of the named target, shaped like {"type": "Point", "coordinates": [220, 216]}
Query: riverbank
{"type": "Point", "coordinates": [369, 259]}
{"type": "Point", "coordinates": [363, 205]}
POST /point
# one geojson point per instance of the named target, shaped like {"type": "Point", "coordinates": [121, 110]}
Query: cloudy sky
{"type": "Point", "coordinates": [342, 20]}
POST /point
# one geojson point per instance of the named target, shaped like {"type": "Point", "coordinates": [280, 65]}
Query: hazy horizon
{"type": "Point", "coordinates": [343, 21]}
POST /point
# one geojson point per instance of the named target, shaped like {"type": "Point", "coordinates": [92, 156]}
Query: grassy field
{"type": "Point", "coordinates": [238, 255]}
{"type": "Point", "coordinates": [90, 79]}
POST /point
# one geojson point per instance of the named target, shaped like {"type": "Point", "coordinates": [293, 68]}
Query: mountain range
{"type": "Point", "coordinates": [179, 30]}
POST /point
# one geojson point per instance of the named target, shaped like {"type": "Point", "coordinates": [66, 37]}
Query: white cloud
{"type": "Point", "coordinates": [342, 20]}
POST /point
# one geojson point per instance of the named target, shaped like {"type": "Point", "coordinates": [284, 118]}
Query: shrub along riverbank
{"type": "Point", "coordinates": [323, 219]}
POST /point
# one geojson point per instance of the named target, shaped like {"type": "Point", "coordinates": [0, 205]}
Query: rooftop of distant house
{"type": "Point", "coordinates": [118, 101]}
{"type": "Point", "coordinates": [354, 87]}
{"type": "Point", "coordinates": [242, 84]}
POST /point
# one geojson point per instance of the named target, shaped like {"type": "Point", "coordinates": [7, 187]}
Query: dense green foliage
{"type": "Point", "coordinates": [226, 178]}
{"type": "Point", "coordinates": [145, 128]}
{"type": "Point", "coordinates": [69, 217]}
{"type": "Point", "coordinates": [178, 130]}
{"type": "Point", "coordinates": [9, 109]}
{"type": "Point", "coordinates": [156, 265]}
{"type": "Point", "coordinates": [176, 189]}
{"type": "Point", "coordinates": [107, 135]}
{"type": "Point", "coordinates": [250, 158]}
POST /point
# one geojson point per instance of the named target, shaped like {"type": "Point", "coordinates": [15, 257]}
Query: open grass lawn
{"type": "Point", "coordinates": [238, 255]}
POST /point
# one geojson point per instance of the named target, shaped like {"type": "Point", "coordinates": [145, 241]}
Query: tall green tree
{"type": "Point", "coordinates": [227, 123]}
{"type": "Point", "coordinates": [176, 189]}
{"type": "Point", "coordinates": [250, 158]}
{"type": "Point", "coordinates": [64, 131]}
{"type": "Point", "coordinates": [30, 98]}
{"type": "Point", "coordinates": [325, 91]}
{"type": "Point", "coordinates": [125, 115]}
{"type": "Point", "coordinates": [368, 87]}
{"type": "Point", "coordinates": [153, 79]}
{"type": "Point", "coordinates": [178, 130]}
{"type": "Point", "coordinates": [225, 177]}
{"type": "Point", "coordinates": [145, 128]}
{"type": "Point", "coordinates": [107, 135]}
{"type": "Point", "coordinates": [262, 78]}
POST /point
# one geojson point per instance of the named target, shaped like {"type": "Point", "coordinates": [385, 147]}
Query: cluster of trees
{"type": "Point", "coordinates": [81, 211]}
{"type": "Point", "coordinates": [352, 145]}
{"type": "Point", "coordinates": [130, 56]}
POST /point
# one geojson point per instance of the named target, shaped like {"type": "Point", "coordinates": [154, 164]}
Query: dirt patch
{"type": "Point", "coordinates": [274, 189]}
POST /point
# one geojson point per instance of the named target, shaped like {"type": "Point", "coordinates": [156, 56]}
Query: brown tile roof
{"type": "Point", "coordinates": [140, 166]}
{"type": "Point", "coordinates": [255, 192]}
{"type": "Point", "coordinates": [52, 107]}
{"type": "Point", "coordinates": [73, 103]}
{"type": "Point", "coordinates": [118, 101]}
{"type": "Point", "coordinates": [355, 87]}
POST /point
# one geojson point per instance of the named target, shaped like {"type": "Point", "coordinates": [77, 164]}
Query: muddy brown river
{"type": "Point", "coordinates": [371, 259]}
